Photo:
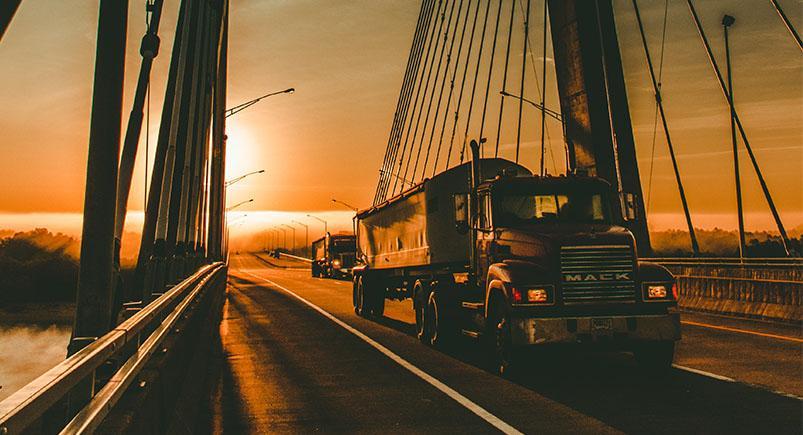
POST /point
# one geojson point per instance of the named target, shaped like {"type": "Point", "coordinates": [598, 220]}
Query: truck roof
{"type": "Point", "coordinates": [549, 182]}
{"type": "Point", "coordinates": [489, 167]}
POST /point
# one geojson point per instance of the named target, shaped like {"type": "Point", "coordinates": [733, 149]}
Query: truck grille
{"type": "Point", "coordinates": [591, 274]}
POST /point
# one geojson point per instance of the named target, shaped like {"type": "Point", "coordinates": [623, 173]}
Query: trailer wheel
{"type": "Point", "coordinates": [359, 298]}
{"type": "Point", "coordinates": [435, 322]}
{"type": "Point", "coordinates": [420, 299]}
{"type": "Point", "coordinates": [377, 298]}
{"type": "Point", "coordinates": [655, 356]}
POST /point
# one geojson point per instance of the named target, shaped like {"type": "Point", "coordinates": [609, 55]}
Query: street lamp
{"type": "Point", "coordinates": [549, 112]}
{"type": "Point", "coordinates": [306, 235]}
{"type": "Point", "coordinates": [234, 180]}
{"type": "Point", "coordinates": [247, 104]}
{"type": "Point", "coordinates": [325, 227]}
{"type": "Point", "coordinates": [293, 244]}
{"type": "Point", "coordinates": [239, 204]}
{"type": "Point", "coordinates": [284, 235]}
{"type": "Point", "coordinates": [337, 201]}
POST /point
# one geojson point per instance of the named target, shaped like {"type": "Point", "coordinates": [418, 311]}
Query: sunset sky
{"type": "Point", "coordinates": [346, 60]}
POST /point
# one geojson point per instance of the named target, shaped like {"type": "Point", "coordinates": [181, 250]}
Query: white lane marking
{"type": "Point", "coordinates": [459, 398]}
{"type": "Point", "coordinates": [727, 379]}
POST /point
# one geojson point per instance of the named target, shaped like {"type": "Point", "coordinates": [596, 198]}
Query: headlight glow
{"type": "Point", "coordinates": [656, 292]}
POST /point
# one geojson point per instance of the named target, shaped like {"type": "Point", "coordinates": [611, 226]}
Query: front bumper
{"type": "Point", "coordinates": [607, 330]}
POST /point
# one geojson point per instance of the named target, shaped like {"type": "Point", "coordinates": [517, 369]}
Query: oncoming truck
{"type": "Point", "coordinates": [516, 261]}
{"type": "Point", "coordinates": [333, 256]}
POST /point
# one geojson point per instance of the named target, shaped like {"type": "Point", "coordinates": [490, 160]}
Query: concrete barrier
{"type": "Point", "coordinates": [755, 289]}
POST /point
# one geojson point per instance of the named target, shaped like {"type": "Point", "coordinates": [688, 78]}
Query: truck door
{"type": "Point", "coordinates": [484, 235]}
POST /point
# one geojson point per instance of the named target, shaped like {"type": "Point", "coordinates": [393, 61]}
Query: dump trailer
{"type": "Point", "coordinates": [333, 256]}
{"type": "Point", "coordinates": [516, 261]}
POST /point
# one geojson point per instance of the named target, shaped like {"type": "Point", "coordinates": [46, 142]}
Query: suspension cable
{"type": "Point", "coordinates": [451, 87]}
{"type": "Point", "coordinates": [474, 85]}
{"type": "Point", "coordinates": [400, 115]}
{"type": "Point", "coordinates": [428, 44]}
{"type": "Point", "coordinates": [490, 76]}
{"type": "Point", "coordinates": [432, 97]}
{"type": "Point", "coordinates": [462, 85]}
{"type": "Point", "coordinates": [401, 107]}
{"type": "Point", "coordinates": [437, 39]}
{"type": "Point", "coordinates": [440, 95]}
{"type": "Point", "coordinates": [521, 87]}
{"type": "Point", "coordinates": [504, 77]}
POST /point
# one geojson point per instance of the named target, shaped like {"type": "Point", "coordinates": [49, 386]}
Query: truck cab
{"type": "Point", "coordinates": [554, 264]}
{"type": "Point", "coordinates": [334, 256]}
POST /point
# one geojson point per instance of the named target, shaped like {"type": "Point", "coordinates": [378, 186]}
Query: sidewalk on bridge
{"type": "Point", "coordinates": [736, 324]}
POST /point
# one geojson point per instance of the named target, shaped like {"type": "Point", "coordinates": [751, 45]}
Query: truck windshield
{"type": "Point", "coordinates": [515, 208]}
{"type": "Point", "coordinates": [339, 246]}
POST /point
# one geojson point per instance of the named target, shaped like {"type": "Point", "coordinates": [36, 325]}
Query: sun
{"type": "Point", "coordinates": [239, 151]}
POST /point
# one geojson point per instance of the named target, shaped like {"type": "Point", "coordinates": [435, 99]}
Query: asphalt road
{"type": "Point", "coordinates": [296, 359]}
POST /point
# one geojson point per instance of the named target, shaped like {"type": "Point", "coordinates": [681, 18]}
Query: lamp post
{"type": "Point", "coordinates": [306, 236]}
{"type": "Point", "coordinates": [351, 207]}
{"type": "Point", "coordinates": [549, 112]}
{"type": "Point", "coordinates": [240, 107]}
{"type": "Point", "coordinates": [234, 180]}
{"type": "Point", "coordinates": [284, 234]}
{"type": "Point", "coordinates": [293, 244]}
{"type": "Point", "coordinates": [325, 227]}
{"type": "Point", "coordinates": [728, 21]}
{"type": "Point", "coordinates": [239, 204]}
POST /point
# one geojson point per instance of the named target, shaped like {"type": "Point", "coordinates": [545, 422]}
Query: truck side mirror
{"type": "Point", "coordinates": [461, 212]}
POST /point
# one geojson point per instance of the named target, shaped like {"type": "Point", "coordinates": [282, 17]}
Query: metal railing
{"type": "Point", "coordinates": [135, 340]}
{"type": "Point", "coordinates": [729, 261]}
{"type": "Point", "coordinates": [295, 257]}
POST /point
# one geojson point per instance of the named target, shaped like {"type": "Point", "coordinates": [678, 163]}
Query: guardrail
{"type": "Point", "coordinates": [295, 257]}
{"type": "Point", "coordinates": [134, 341]}
{"type": "Point", "coordinates": [767, 288]}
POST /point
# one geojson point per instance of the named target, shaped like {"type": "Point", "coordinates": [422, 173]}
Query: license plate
{"type": "Point", "coordinates": [601, 324]}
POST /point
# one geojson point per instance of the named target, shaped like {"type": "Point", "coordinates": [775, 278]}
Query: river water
{"type": "Point", "coordinates": [26, 352]}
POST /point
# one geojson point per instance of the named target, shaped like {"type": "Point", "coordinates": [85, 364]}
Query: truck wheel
{"type": "Point", "coordinates": [359, 298]}
{"type": "Point", "coordinates": [503, 357]}
{"type": "Point", "coordinates": [420, 298]}
{"type": "Point", "coordinates": [655, 356]}
{"type": "Point", "coordinates": [377, 297]}
{"type": "Point", "coordinates": [436, 330]}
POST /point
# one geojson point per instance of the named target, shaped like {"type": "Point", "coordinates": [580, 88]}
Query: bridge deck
{"type": "Point", "coordinates": [289, 368]}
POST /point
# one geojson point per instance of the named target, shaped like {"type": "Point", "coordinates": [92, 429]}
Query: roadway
{"type": "Point", "coordinates": [297, 359]}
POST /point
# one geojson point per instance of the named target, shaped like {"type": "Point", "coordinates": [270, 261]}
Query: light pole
{"type": "Point", "coordinates": [234, 180]}
{"type": "Point", "coordinates": [728, 21]}
{"type": "Point", "coordinates": [351, 207]}
{"type": "Point", "coordinates": [325, 227]}
{"type": "Point", "coordinates": [240, 107]}
{"type": "Point", "coordinates": [549, 112]}
{"type": "Point", "coordinates": [293, 244]}
{"type": "Point", "coordinates": [306, 236]}
{"type": "Point", "coordinates": [284, 234]}
{"type": "Point", "coordinates": [239, 204]}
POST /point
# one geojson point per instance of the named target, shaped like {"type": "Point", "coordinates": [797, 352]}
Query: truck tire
{"type": "Point", "coordinates": [655, 356]}
{"type": "Point", "coordinates": [438, 330]}
{"type": "Point", "coordinates": [360, 308]}
{"type": "Point", "coordinates": [420, 299]}
{"type": "Point", "coordinates": [503, 357]}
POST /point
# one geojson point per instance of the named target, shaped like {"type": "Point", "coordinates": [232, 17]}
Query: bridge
{"type": "Point", "coordinates": [216, 341]}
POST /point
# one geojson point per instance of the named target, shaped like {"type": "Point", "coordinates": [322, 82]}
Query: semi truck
{"type": "Point", "coordinates": [515, 261]}
{"type": "Point", "coordinates": [333, 256]}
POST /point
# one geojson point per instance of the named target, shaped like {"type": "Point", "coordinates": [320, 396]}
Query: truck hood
{"type": "Point", "coordinates": [540, 242]}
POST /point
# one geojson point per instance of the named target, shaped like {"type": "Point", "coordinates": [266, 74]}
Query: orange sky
{"type": "Point", "coordinates": [346, 60]}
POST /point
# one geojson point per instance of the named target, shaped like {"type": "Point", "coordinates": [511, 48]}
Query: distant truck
{"type": "Point", "coordinates": [333, 256]}
{"type": "Point", "coordinates": [515, 261]}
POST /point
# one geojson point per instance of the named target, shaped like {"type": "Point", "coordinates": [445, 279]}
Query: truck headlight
{"type": "Point", "coordinates": [537, 295]}
{"type": "Point", "coordinates": [336, 264]}
{"type": "Point", "coordinates": [656, 292]}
